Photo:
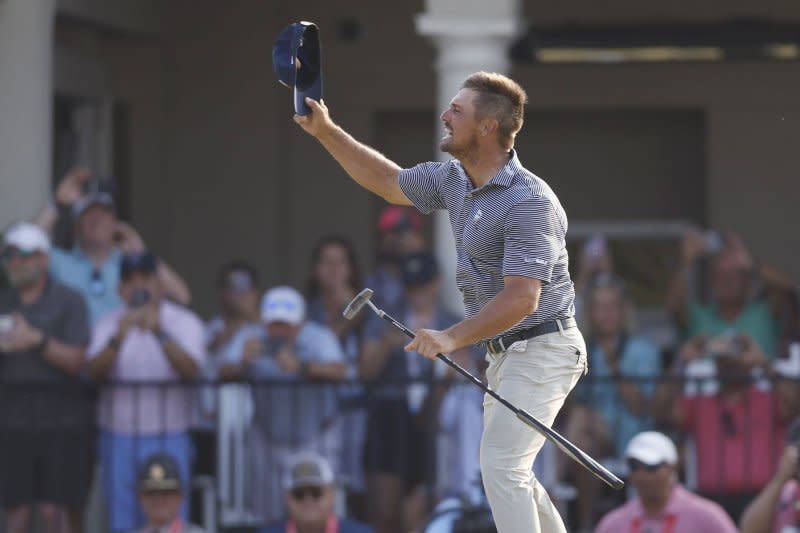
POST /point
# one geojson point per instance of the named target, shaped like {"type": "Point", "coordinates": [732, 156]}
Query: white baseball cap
{"type": "Point", "coordinates": [27, 237]}
{"type": "Point", "coordinates": [308, 469]}
{"type": "Point", "coordinates": [652, 448]}
{"type": "Point", "coordinates": [283, 304]}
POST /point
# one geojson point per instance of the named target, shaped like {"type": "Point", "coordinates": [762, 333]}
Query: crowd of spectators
{"type": "Point", "coordinates": [103, 362]}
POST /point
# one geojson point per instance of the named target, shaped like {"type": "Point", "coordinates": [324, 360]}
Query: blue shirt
{"type": "Point", "coordinates": [513, 225]}
{"type": "Point", "coordinates": [287, 409]}
{"type": "Point", "coordinates": [639, 359]}
{"type": "Point", "coordinates": [98, 286]}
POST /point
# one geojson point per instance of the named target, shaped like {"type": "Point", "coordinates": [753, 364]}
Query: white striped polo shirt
{"type": "Point", "coordinates": [512, 226]}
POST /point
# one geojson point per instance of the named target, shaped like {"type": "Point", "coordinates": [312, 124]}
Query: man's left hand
{"type": "Point", "coordinates": [430, 342]}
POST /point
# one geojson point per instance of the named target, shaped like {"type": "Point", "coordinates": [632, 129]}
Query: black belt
{"type": "Point", "coordinates": [501, 344]}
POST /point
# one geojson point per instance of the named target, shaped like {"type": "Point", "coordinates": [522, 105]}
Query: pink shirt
{"type": "Point", "coordinates": [787, 514]}
{"type": "Point", "coordinates": [738, 446]}
{"type": "Point", "coordinates": [147, 409]}
{"type": "Point", "coordinates": [684, 513]}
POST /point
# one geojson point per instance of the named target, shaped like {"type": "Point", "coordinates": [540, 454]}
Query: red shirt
{"type": "Point", "coordinates": [738, 445]}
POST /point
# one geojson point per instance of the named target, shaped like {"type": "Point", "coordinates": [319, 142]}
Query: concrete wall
{"type": "Point", "coordinates": [219, 171]}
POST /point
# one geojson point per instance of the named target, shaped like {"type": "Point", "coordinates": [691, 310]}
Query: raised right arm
{"type": "Point", "coordinates": [368, 167]}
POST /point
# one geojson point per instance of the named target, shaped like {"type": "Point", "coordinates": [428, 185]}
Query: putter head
{"type": "Point", "coordinates": [356, 304]}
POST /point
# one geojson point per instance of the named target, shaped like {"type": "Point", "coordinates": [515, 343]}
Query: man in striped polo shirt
{"type": "Point", "coordinates": [509, 229]}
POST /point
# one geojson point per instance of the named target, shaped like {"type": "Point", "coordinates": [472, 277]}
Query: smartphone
{"type": "Point", "coordinates": [139, 298]}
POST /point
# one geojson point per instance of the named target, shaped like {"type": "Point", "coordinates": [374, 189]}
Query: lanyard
{"type": "Point", "coordinates": [669, 524]}
{"type": "Point", "coordinates": [331, 525]}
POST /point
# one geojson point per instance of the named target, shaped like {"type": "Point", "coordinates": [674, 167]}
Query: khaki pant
{"type": "Point", "coordinates": [535, 375]}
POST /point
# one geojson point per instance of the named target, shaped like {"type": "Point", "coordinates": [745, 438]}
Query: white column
{"type": "Point", "coordinates": [26, 95]}
{"type": "Point", "coordinates": [469, 36]}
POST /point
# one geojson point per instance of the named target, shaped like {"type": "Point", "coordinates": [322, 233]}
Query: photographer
{"type": "Point", "coordinates": [143, 348]}
{"type": "Point", "coordinates": [777, 507]}
{"type": "Point", "coordinates": [731, 278]}
{"type": "Point", "coordinates": [92, 266]}
{"type": "Point", "coordinates": [293, 364]}
{"type": "Point", "coordinates": [737, 421]}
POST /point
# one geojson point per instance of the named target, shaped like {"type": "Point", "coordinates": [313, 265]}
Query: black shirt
{"type": "Point", "coordinates": [35, 394]}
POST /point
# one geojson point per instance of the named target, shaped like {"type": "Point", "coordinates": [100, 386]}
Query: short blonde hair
{"type": "Point", "coordinates": [501, 98]}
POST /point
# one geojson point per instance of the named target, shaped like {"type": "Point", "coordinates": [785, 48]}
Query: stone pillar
{"type": "Point", "coordinates": [26, 96]}
{"type": "Point", "coordinates": [469, 35]}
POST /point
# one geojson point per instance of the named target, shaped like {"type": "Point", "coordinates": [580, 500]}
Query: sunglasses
{"type": "Point", "coordinates": [634, 465]}
{"type": "Point", "coordinates": [300, 493]}
{"type": "Point", "coordinates": [12, 252]}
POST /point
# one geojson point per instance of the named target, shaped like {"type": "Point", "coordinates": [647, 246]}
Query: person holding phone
{"type": "Point", "coordinates": [151, 349]}
{"type": "Point", "coordinates": [100, 240]}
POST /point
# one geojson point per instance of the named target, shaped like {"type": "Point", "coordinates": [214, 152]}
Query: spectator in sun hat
{"type": "Point", "coordinates": [298, 408]}
{"type": "Point", "coordinates": [161, 493]}
{"type": "Point", "coordinates": [92, 266]}
{"type": "Point", "coordinates": [44, 415]}
{"type": "Point", "coordinates": [662, 504]}
{"type": "Point", "coordinates": [152, 350]}
{"type": "Point", "coordinates": [310, 494]}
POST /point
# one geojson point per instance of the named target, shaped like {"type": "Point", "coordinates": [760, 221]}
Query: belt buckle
{"type": "Point", "coordinates": [497, 346]}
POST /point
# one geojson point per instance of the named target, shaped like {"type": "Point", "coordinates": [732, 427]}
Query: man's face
{"type": "Point", "coordinates": [137, 283]}
{"type": "Point", "coordinates": [651, 483]}
{"type": "Point", "coordinates": [311, 505]}
{"type": "Point", "coordinates": [333, 268]}
{"type": "Point", "coordinates": [460, 124]}
{"type": "Point", "coordinates": [96, 226]}
{"type": "Point", "coordinates": [728, 280]}
{"type": "Point", "coordinates": [606, 311]}
{"type": "Point", "coordinates": [239, 296]}
{"type": "Point", "coordinates": [24, 268]}
{"type": "Point", "coordinates": [281, 330]}
{"type": "Point", "coordinates": [160, 507]}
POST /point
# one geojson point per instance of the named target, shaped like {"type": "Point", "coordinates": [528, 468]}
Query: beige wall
{"type": "Point", "coordinates": [219, 170]}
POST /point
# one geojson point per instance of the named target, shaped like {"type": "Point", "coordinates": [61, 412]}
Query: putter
{"type": "Point", "coordinates": [581, 457]}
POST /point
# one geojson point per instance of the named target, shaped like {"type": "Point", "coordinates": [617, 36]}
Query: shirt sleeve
{"type": "Point", "coordinates": [533, 239]}
{"type": "Point", "coordinates": [422, 184]}
{"type": "Point", "coordinates": [57, 259]}
{"type": "Point", "coordinates": [324, 346]}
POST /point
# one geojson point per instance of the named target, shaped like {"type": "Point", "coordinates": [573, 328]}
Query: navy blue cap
{"type": "Point", "coordinates": [297, 58]}
{"type": "Point", "coordinates": [144, 262]}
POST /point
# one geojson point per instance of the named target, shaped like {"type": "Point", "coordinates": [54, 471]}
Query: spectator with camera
{"type": "Point", "coordinates": [613, 401]}
{"type": "Point", "coordinates": [731, 308]}
{"type": "Point", "coordinates": [293, 365]}
{"type": "Point", "coordinates": [737, 421]}
{"type": "Point", "coordinates": [661, 503]}
{"type": "Point", "coordinates": [310, 494]}
{"type": "Point", "coordinates": [143, 349]}
{"type": "Point", "coordinates": [400, 415]}
{"type": "Point", "coordinates": [101, 239]}
{"type": "Point", "coordinates": [161, 494]}
{"type": "Point", "coordinates": [44, 416]}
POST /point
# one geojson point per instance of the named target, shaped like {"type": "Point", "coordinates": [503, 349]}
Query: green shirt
{"type": "Point", "coordinates": [755, 320]}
